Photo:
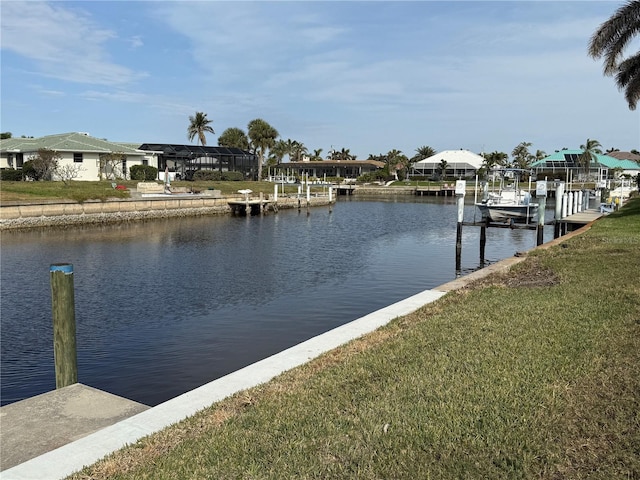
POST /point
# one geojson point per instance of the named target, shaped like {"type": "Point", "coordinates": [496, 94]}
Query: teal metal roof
{"type": "Point", "coordinates": [569, 157]}
{"type": "Point", "coordinates": [67, 142]}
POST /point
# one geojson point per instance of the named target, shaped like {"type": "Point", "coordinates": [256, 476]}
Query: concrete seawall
{"type": "Point", "coordinates": [127, 210]}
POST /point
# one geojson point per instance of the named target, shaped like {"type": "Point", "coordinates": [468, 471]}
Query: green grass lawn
{"type": "Point", "coordinates": [529, 374]}
{"type": "Point", "coordinates": [80, 191]}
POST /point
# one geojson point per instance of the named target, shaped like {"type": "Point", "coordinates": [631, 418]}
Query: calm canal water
{"type": "Point", "coordinates": [165, 306]}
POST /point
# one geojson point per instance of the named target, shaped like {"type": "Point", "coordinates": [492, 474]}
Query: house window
{"type": "Point", "coordinates": [77, 157]}
{"type": "Point", "coordinates": [145, 161]}
{"type": "Point", "coordinates": [10, 159]}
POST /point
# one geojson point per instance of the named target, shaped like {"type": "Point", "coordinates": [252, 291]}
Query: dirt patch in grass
{"type": "Point", "coordinates": [529, 274]}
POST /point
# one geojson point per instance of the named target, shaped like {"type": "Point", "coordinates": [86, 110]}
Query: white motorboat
{"type": "Point", "coordinates": [508, 203]}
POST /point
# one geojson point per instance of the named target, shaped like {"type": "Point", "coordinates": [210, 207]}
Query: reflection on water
{"type": "Point", "coordinates": [167, 305]}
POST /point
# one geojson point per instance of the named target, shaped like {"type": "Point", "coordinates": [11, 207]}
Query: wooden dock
{"type": "Point", "coordinates": [249, 207]}
{"type": "Point", "coordinates": [445, 190]}
{"type": "Point", "coordinates": [584, 217]}
{"type": "Point", "coordinates": [345, 189]}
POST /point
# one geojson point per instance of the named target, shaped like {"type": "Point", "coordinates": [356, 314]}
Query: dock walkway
{"type": "Point", "coordinates": [584, 217]}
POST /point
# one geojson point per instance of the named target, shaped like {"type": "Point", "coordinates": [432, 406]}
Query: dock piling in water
{"type": "Point", "coordinates": [460, 190]}
{"type": "Point", "coordinates": [541, 196]}
{"type": "Point", "coordinates": [64, 324]}
{"type": "Point", "coordinates": [560, 199]}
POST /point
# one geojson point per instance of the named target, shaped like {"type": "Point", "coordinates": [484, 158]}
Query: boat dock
{"type": "Point", "coordinates": [37, 425]}
{"type": "Point", "coordinates": [249, 207]}
{"type": "Point", "coordinates": [583, 217]}
{"type": "Point", "coordinates": [446, 190]}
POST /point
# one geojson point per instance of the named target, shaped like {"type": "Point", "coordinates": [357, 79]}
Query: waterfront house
{"type": "Point", "coordinates": [347, 169]}
{"type": "Point", "coordinates": [87, 155]}
{"type": "Point", "coordinates": [459, 163]}
{"type": "Point", "coordinates": [184, 160]}
{"type": "Point", "coordinates": [564, 161]}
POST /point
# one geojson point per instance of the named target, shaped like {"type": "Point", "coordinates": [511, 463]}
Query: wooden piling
{"type": "Point", "coordinates": [541, 196]}
{"type": "Point", "coordinates": [558, 209]}
{"type": "Point", "coordinates": [330, 197]}
{"type": "Point", "coordinates": [64, 324]}
{"type": "Point", "coordinates": [542, 203]}
{"type": "Point", "coordinates": [459, 192]}
{"type": "Point", "coordinates": [483, 240]}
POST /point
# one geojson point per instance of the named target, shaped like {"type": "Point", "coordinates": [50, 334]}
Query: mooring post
{"type": "Point", "coordinates": [483, 239]}
{"type": "Point", "coordinates": [330, 197]}
{"type": "Point", "coordinates": [461, 186]}
{"type": "Point", "coordinates": [570, 204]}
{"type": "Point", "coordinates": [585, 202]}
{"type": "Point", "coordinates": [579, 202]}
{"type": "Point", "coordinates": [558, 210]}
{"type": "Point", "coordinates": [565, 206]}
{"type": "Point", "coordinates": [541, 196]}
{"type": "Point", "coordinates": [64, 324]}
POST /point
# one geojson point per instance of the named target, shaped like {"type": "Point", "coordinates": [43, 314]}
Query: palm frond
{"type": "Point", "coordinates": [632, 90]}
{"type": "Point", "coordinates": [628, 70]}
{"type": "Point", "coordinates": [610, 40]}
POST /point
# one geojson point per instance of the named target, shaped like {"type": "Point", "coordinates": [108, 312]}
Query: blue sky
{"type": "Point", "coordinates": [367, 76]}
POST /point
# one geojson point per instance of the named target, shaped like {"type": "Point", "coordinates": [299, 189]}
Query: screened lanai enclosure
{"type": "Point", "coordinates": [185, 160]}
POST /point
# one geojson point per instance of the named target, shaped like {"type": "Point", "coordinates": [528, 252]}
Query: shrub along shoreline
{"type": "Point", "coordinates": [532, 373]}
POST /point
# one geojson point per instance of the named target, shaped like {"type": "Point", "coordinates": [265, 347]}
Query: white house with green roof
{"type": "Point", "coordinates": [78, 150]}
{"type": "Point", "coordinates": [562, 160]}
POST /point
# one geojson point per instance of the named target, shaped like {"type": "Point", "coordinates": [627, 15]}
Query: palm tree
{"type": "Point", "coordinates": [298, 150]}
{"type": "Point", "coordinates": [540, 154]}
{"type": "Point", "coordinates": [495, 158]}
{"type": "Point", "coordinates": [278, 151]}
{"type": "Point", "coordinates": [589, 151]}
{"type": "Point", "coordinates": [234, 138]}
{"type": "Point", "coordinates": [345, 154]}
{"type": "Point", "coordinates": [442, 168]}
{"type": "Point", "coordinates": [317, 155]}
{"type": "Point", "coordinates": [263, 136]}
{"type": "Point", "coordinates": [393, 162]}
{"type": "Point", "coordinates": [198, 126]}
{"type": "Point", "coordinates": [521, 156]}
{"type": "Point", "coordinates": [421, 153]}
{"type": "Point", "coordinates": [610, 40]}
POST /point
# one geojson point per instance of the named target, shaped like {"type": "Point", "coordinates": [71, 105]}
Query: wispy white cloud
{"type": "Point", "coordinates": [369, 75]}
{"type": "Point", "coordinates": [63, 43]}
{"type": "Point", "coordinates": [136, 41]}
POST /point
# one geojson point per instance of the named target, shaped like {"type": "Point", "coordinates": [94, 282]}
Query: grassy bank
{"type": "Point", "coordinates": [528, 374]}
{"type": "Point", "coordinates": [26, 192]}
